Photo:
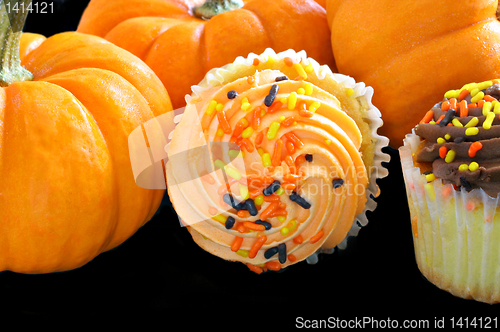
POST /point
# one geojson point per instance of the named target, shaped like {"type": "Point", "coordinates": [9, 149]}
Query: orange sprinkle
{"type": "Point", "coordinates": [254, 193]}
{"type": "Point", "coordinates": [251, 80]}
{"type": "Point", "coordinates": [256, 62]}
{"type": "Point", "coordinates": [288, 121]}
{"type": "Point", "coordinates": [208, 179]}
{"type": "Point", "coordinates": [238, 128]}
{"type": "Point", "coordinates": [453, 103]}
{"type": "Point", "coordinates": [442, 151]}
{"type": "Point", "coordinates": [470, 206]}
{"type": "Point", "coordinates": [247, 144]}
{"type": "Point", "coordinates": [300, 159]}
{"type": "Point", "coordinates": [474, 147]}
{"type": "Point", "coordinates": [296, 141]}
{"type": "Point", "coordinates": [255, 268]}
{"type": "Point", "coordinates": [236, 243]}
{"type": "Point", "coordinates": [256, 246]}
{"type": "Point", "coordinates": [272, 198]}
{"type": "Point", "coordinates": [489, 98]}
{"type": "Point", "coordinates": [253, 226]}
{"type": "Point", "coordinates": [276, 158]}
{"type": "Point", "coordinates": [275, 106]}
{"type": "Point", "coordinates": [240, 228]}
{"type": "Point", "coordinates": [464, 93]}
{"type": "Point", "coordinates": [273, 265]}
{"type": "Point", "coordinates": [292, 258]}
{"type": "Point", "coordinates": [288, 186]}
{"type": "Point", "coordinates": [473, 105]}
{"type": "Point", "coordinates": [316, 237]}
{"type": "Point", "coordinates": [427, 117]}
{"type": "Point", "coordinates": [256, 118]}
{"type": "Point", "coordinates": [224, 188]}
{"type": "Point", "coordinates": [305, 113]}
{"type": "Point", "coordinates": [212, 210]}
{"type": "Point", "coordinates": [446, 191]}
{"type": "Point", "coordinates": [480, 103]}
{"type": "Point", "coordinates": [298, 239]}
{"type": "Point", "coordinates": [259, 138]}
{"type": "Point", "coordinates": [464, 108]}
{"type": "Point", "coordinates": [290, 147]}
{"type": "Point", "coordinates": [221, 116]}
{"type": "Point", "coordinates": [445, 105]}
{"type": "Point", "coordinates": [278, 213]}
{"type": "Point", "coordinates": [288, 61]}
{"type": "Point", "coordinates": [243, 214]}
{"type": "Point", "coordinates": [440, 118]}
{"type": "Point", "coordinates": [270, 209]}
{"type": "Point", "coordinates": [292, 177]}
{"type": "Point", "coordinates": [414, 227]}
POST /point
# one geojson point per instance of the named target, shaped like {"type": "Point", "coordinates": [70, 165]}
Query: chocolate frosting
{"type": "Point", "coordinates": [443, 131]}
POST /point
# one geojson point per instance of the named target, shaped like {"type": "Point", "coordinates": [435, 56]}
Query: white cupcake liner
{"type": "Point", "coordinates": [455, 233]}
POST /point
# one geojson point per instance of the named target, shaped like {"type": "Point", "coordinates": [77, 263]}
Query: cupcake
{"type": "Point", "coordinates": [450, 164]}
{"type": "Point", "coordinates": [275, 160]}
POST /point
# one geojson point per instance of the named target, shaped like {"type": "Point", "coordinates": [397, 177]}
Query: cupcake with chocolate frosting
{"type": "Point", "coordinates": [275, 160]}
{"type": "Point", "coordinates": [451, 167]}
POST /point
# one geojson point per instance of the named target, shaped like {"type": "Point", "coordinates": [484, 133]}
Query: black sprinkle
{"type": "Point", "coordinates": [272, 188]}
{"type": "Point", "coordinates": [337, 183]}
{"type": "Point", "coordinates": [447, 118]}
{"type": "Point", "coordinates": [427, 172]}
{"type": "Point", "coordinates": [231, 201]}
{"type": "Point", "coordinates": [309, 157]}
{"type": "Point", "coordinates": [266, 224]}
{"type": "Point", "coordinates": [250, 205]}
{"type": "Point", "coordinates": [281, 78]}
{"type": "Point", "coordinates": [230, 222]}
{"type": "Point", "coordinates": [282, 253]}
{"type": "Point", "coordinates": [465, 183]}
{"type": "Point", "coordinates": [232, 94]}
{"type": "Point", "coordinates": [294, 197]}
{"type": "Point", "coordinates": [459, 139]}
{"type": "Point", "coordinates": [268, 101]}
{"type": "Point", "coordinates": [270, 252]}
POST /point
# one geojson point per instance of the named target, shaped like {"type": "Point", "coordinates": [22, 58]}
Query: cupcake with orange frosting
{"type": "Point", "coordinates": [275, 160]}
{"type": "Point", "coordinates": [451, 167]}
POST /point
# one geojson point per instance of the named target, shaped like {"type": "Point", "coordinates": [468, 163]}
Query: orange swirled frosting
{"type": "Point", "coordinates": [266, 167]}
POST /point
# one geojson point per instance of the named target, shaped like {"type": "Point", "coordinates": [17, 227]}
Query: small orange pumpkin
{"type": "Point", "coordinates": [412, 52]}
{"type": "Point", "coordinates": [181, 47]}
{"type": "Point", "coordinates": [67, 192]}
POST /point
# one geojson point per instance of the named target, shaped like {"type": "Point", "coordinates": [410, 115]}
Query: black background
{"type": "Point", "coordinates": [160, 272]}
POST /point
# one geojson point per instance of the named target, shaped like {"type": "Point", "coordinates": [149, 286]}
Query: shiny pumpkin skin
{"type": "Point", "coordinates": [67, 192]}
{"type": "Point", "coordinates": [412, 52]}
{"type": "Point", "coordinates": [181, 48]}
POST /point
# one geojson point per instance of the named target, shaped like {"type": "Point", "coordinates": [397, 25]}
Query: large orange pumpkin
{"type": "Point", "coordinates": [181, 47]}
{"type": "Point", "coordinates": [412, 52]}
{"type": "Point", "coordinates": [67, 192]}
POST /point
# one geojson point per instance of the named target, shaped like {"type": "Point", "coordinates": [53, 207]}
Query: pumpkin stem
{"type": "Point", "coordinates": [12, 18]}
{"type": "Point", "coordinates": [213, 7]}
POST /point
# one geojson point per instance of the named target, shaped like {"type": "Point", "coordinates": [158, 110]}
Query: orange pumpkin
{"type": "Point", "coordinates": [412, 52]}
{"type": "Point", "coordinates": [67, 192]}
{"type": "Point", "coordinates": [181, 47]}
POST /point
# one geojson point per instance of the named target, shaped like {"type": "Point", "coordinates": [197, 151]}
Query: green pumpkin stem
{"type": "Point", "coordinates": [11, 26]}
{"type": "Point", "coordinates": [214, 7]}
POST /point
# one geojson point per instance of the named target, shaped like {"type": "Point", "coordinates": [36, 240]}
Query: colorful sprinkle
{"type": "Point", "coordinates": [281, 78]}
{"type": "Point", "coordinates": [473, 122]}
{"type": "Point", "coordinates": [474, 147]}
{"type": "Point", "coordinates": [292, 100]}
{"type": "Point", "coordinates": [473, 166]}
{"type": "Point", "coordinates": [282, 253]}
{"type": "Point", "coordinates": [211, 107]}
{"type": "Point", "coordinates": [269, 99]}
{"type": "Point", "coordinates": [489, 120]}
{"type": "Point", "coordinates": [266, 159]}
{"type": "Point", "coordinates": [232, 94]}
{"type": "Point", "coordinates": [294, 197]}
{"type": "Point", "coordinates": [308, 89]}
{"type": "Point", "coordinates": [337, 183]}
{"type": "Point", "coordinates": [450, 156]}
{"type": "Point", "coordinates": [267, 225]}
{"type": "Point", "coordinates": [471, 131]}
{"type": "Point", "coordinates": [465, 183]}
{"type": "Point", "coordinates": [273, 129]}
{"type": "Point", "coordinates": [430, 177]}
{"type": "Point", "coordinates": [272, 188]}
{"type": "Point", "coordinates": [229, 222]}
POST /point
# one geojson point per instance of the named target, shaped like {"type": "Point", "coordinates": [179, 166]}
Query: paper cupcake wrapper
{"type": "Point", "coordinates": [455, 233]}
{"type": "Point", "coordinates": [360, 91]}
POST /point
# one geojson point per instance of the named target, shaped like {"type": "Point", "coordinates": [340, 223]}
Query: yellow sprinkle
{"type": "Point", "coordinates": [432, 122]}
{"type": "Point", "coordinates": [273, 129]}
{"type": "Point", "coordinates": [282, 118]}
{"type": "Point", "coordinates": [219, 107]}
{"type": "Point", "coordinates": [284, 231]}
{"type": "Point", "coordinates": [350, 92]}
{"type": "Point", "coordinates": [451, 94]}
{"type": "Point", "coordinates": [314, 106]}
{"type": "Point", "coordinates": [308, 89]}
{"type": "Point", "coordinates": [301, 91]}
{"type": "Point", "coordinates": [259, 200]}
{"type": "Point", "coordinates": [479, 96]}
{"type": "Point", "coordinates": [247, 132]}
{"type": "Point", "coordinates": [294, 123]}
{"type": "Point", "coordinates": [281, 218]}
{"type": "Point", "coordinates": [447, 137]}
{"type": "Point", "coordinates": [292, 224]}
{"type": "Point", "coordinates": [232, 172]}
{"type": "Point", "coordinates": [430, 177]}
{"type": "Point", "coordinates": [211, 107]}
{"type": "Point", "coordinates": [270, 60]}
{"type": "Point", "coordinates": [489, 120]}
{"type": "Point", "coordinates": [244, 194]}
{"type": "Point", "coordinates": [463, 167]}
{"type": "Point", "coordinates": [486, 107]}
{"type": "Point", "coordinates": [220, 132]}
{"type": "Point", "coordinates": [246, 106]}
{"type": "Point", "coordinates": [457, 122]}
{"type": "Point", "coordinates": [450, 156]}
{"type": "Point", "coordinates": [284, 100]}
{"type": "Point", "coordinates": [484, 85]}
{"type": "Point", "coordinates": [219, 163]}
{"type": "Point", "coordinates": [429, 190]}
{"type": "Point", "coordinates": [243, 253]}
{"type": "Point", "coordinates": [262, 112]}
{"type": "Point", "coordinates": [266, 159]}
{"type": "Point", "coordinates": [309, 68]}
{"type": "Point", "coordinates": [292, 100]}
{"type": "Point", "coordinates": [260, 151]}
{"type": "Point", "coordinates": [473, 166]}
{"type": "Point", "coordinates": [441, 140]}
{"type": "Point", "coordinates": [280, 191]}
{"type": "Point", "coordinates": [472, 131]}
{"type": "Point", "coordinates": [496, 107]}
{"type": "Point", "coordinates": [327, 141]}
{"type": "Point", "coordinates": [473, 91]}
{"type": "Point", "coordinates": [300, 70]}
{"type": "Point", "coordinates": [220, 218]}
{"type": "Point", "coordinates": [235, 154]}
{"type": "Point", "coordinates": [473, 122]}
